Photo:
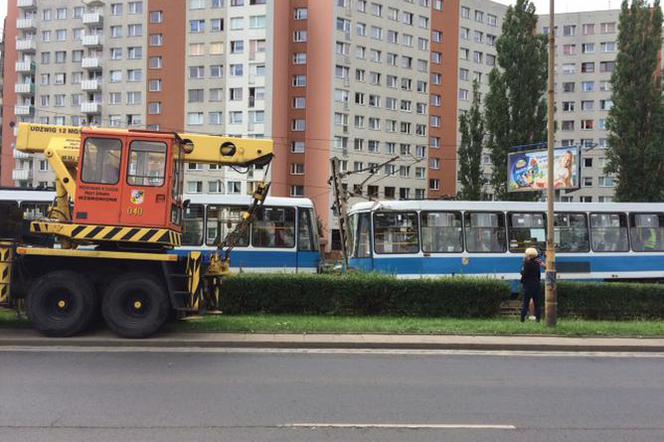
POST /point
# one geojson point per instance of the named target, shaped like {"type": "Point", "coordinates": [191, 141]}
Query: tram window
{"type": "Point", "coordinates": [362, 239]}
{"type": "Point", "coordinates": [647, 230]}
{"type": "Point", "coordinates": [192, 225]}
{"type": "Point", "coordinates": [485, 232]}
{"type": "Point", "coordinates": [305, 230]}
{"type": "Point", "coordinates": [10, 220]}
{"type": "Point", "coordinates": [147, 164]}
{"type": "Point", "coordinates": [274, 227]}
{"type": "Point", "coordinates": [527, 230]}
{"type": "Point", "coordinates": [33, 210]}
{"type": "Point", "coordinates": [571, 232]}
{"type": "Point", "coordinates": [221, 220]}
{"type": "Point", "coordinates": [101, 160]}
{"type": "Point", "coordinates": [441, 232]}
{"type": "Point", "coordinates": [609, 232]}
{"type": "Point", "coordinates": [396, 232]}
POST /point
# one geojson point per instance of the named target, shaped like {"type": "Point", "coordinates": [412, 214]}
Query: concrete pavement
{"type": "Point", "coordinates": [27, 337]}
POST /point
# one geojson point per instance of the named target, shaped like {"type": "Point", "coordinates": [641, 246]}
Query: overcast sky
{"type": "Point", "coordinates": [570, 5]}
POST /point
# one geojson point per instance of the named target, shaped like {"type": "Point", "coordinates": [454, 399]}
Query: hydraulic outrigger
{"type": "Point", "coordinates": [117, 211]}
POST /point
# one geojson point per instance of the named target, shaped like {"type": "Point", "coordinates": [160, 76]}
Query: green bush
{"type": "Point", "coordinates": [362, 295]}
{"type": "Point", "coordinates": [610, 300]}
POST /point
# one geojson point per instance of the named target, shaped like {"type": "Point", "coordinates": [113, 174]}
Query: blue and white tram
{"type": "Point", "coordinates": [24, 206]}
{"type": "Point", "coordinates": [282, 238]}
{"type": "Point", "coordinates": [605, 241]}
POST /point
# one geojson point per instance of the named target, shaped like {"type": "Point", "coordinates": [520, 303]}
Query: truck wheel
{"type": "Point", "coordinates": [61, 303]}
{"type": "Point", "coordinates": [135, 306]}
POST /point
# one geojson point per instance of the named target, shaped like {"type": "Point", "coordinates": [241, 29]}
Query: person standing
{"type": "Point", "coordinates": [531, 281]}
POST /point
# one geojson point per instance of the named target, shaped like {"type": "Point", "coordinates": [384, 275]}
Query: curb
{"type": "Point", "coordinates": [342, 342]}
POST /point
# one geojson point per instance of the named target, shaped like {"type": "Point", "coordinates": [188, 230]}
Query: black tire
{"type": "Point", "coordinates": [61, 303]}
{"type": "Point", "coordinates": [135, 306]}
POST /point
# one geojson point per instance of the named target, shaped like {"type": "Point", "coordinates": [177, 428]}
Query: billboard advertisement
{"type": "Point", "coordinates": [528, 171]}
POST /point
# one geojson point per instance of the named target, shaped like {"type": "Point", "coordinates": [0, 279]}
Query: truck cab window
{"type": "Point", "coordinates": [147, 164]}
{"type": "Point", "coordinates": [101, 160]}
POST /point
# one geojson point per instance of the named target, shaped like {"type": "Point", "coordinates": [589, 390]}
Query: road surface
{"type": "Point", "coordinates": [69, 394]}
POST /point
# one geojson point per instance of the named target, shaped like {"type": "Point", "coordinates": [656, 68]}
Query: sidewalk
{"type": "Point", "coordinates": [26, 337]}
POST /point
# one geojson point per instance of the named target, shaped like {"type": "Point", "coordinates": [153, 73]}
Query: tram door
{"type": "Point", "coordinates": [362, 245]}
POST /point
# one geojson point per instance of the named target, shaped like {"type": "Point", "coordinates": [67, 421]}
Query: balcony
{"type": "Point", "coordinates": [93, 3]}
{"type": "Point", "coordinates": [23, 109]}
{"type": "Point", "coordinates": [18, 155]}
{"type": "Point", "coordinates": [92, 63]}
{"type": "Point", "coordinates": [90, 85]}
{"type": "Point", "coordinates": [21, 174]}
{"type": "Point", "coordinates": [27, 4]}
{"type": "Point", "coordinates": [93, 18]}
{"type": "Point", "coordinates": [27, 45]}
{"type": "Point", "coordinates": [91, 107]}
{"type": "Point", "coordinates": [26, 24]}
{"type": "Point", "coordinates": [24, 88]}
{"type": "Point", "coordinates": [92, 41]}
{"type": "Point", "coordinates": [25, 66]}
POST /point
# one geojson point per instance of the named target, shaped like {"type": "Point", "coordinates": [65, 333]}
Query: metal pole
{"type": "Point", "coordinates": [550, 298]}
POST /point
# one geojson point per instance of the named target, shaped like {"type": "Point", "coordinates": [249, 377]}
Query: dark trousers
{"type": "Point", "coordinates": [531, 291]}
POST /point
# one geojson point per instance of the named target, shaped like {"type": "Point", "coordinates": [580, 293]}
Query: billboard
{"type": "Point", "coordinates": [528, 171]}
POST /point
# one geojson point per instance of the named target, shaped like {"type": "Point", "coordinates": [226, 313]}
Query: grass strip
{"type": "Point", "coordinates": [391, 325]}
{"type": "Point", "coordinates": [9, 319]}
{"type": "Point", "coordinates": [407, 325]}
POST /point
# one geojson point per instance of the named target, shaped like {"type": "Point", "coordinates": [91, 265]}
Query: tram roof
{"type": "Point", "coordinates": [26, 195]}
{"type": "Point", "coordinates": [509, 206]}
{"type": "Point", "coordinates": [245, 200]}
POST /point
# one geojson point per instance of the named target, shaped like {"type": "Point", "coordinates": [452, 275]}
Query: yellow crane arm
{"type": "Point", "coordinates": [207, 149]}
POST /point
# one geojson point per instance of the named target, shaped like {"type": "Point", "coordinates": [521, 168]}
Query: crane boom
{"type": "Point", "coordinates": [203, 149]}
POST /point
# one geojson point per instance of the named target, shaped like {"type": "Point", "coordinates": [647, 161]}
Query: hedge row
{"type": "Point", "coordinates": [610, 300]}
{"type": "Point", "coordinates": [458, 297]}
{"type": "Point", "coordinates": [363, 295]}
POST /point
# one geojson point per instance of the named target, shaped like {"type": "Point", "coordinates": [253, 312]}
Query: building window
{"type": "Point", "coordinates": [135, 8]}
{"type": "Point", "coordinates": [300, 13]}
{"type": "Point", "coordinates": [300, 36]}
{"type": "Point", "coordinates": [156, 17]}
{"type": "Point", "coordinates": [154, 108]}
{"type": "Point", "coordinates": [154, 85]}
{"type": "Point", "coordinates": [195, 118]}
{"type": "Point", "coordinates": [194, 186]}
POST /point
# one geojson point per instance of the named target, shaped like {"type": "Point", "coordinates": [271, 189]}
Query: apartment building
{"type": "Point", "coordinates": [586, 50]}
{"type": "Point", "coordinates": [365, 81]}
{"type": "Point", "coordinates": [366, 101]}
{"type": "Point", "coordinates": [198, 66]}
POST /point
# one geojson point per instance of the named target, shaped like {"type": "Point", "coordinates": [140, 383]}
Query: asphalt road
{"type": "Point", "coordinates": [172, 395]}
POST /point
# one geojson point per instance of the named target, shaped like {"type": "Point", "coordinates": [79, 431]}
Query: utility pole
{"type": "Point", "coordinates": [341, 206]}
{"type": "Point", "coordinates": [550, 296]}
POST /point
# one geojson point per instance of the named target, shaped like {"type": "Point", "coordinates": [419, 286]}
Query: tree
{"type": "Point", "coordinates": [515, 107]}
{"type": "Point", "coordinates": [471, 126]}
{"type": "Point", "coordinates": [636, 133]}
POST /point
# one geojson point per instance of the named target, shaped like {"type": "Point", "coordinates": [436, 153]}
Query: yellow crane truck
{"type": "Point", "coordinates": [118, 210]}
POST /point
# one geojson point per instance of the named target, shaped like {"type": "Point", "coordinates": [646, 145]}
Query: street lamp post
{"type": "Point", "coordinates": [550, 297]}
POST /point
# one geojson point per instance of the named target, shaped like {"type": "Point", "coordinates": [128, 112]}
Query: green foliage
{"type": "Point", "coordinates": [471, 126]}
{"type": "Point", "coordinates": [610, 301]}
{"type": "Point", "coordinates": [362, 295]}
{"type": "Point", "coordinates": [515, 107]}
{"type": "Point", "coordinates": [635, 123]}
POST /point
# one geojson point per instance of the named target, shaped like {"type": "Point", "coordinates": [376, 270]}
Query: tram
{"type": "Point", "coordinates": [282, 238]}
{"type": "Point", "coordinates": [410, 239]}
